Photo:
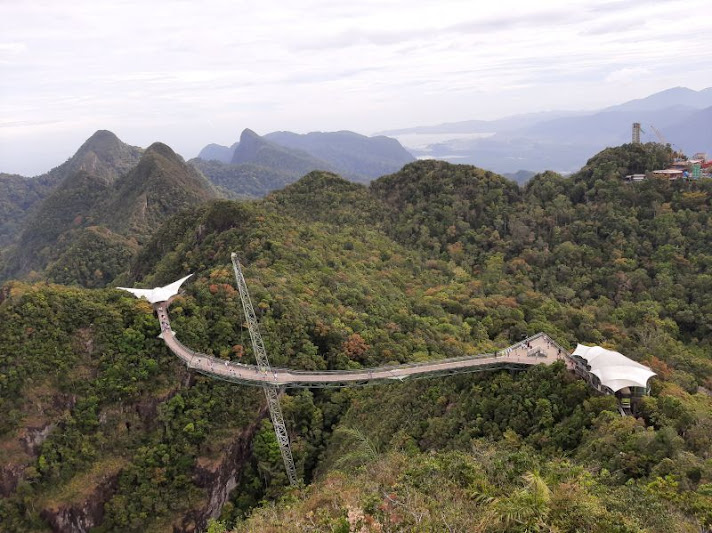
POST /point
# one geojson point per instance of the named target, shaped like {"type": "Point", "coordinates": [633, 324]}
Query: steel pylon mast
{"type": "Point", "coordinates": [271, 391]}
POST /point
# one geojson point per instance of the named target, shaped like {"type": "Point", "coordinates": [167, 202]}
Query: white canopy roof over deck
{"type": "Point", "coordinates": [614, 369]}
{"type": "Point", "coordinates": [159, 294]}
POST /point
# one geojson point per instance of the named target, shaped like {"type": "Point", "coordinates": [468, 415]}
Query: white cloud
{"type": "Point", "coordinates": [626, 74]}
{"type": "Point", "coordinates": [12, 48]}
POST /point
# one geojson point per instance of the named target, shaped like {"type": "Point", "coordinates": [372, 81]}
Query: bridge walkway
{"type": "Point", "coordinates": [534, 350]}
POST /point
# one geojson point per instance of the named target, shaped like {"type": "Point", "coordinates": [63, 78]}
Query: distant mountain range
{"type": "Point", "coordinates": [562, 141]}
{"type": "Point", "coordinates": [112, 196]}
{"type": "Point", "coordinates": [677, 96]}
{"type": "Point", "coordinates": [256, 165]}
{"type": "Point", "coordinates": [106, 201]}
{"type": "Point", "coordinates": [85, 220]}
{"type": "Point", "coordinates": [693, 134]}
{"type": "Point", "coordinates": [353, 156]}
{"type": "Point", "coordinates": [102, 155]}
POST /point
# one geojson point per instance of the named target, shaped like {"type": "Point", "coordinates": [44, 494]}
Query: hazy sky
{"type": "Point", "coordinates": [192, 72]}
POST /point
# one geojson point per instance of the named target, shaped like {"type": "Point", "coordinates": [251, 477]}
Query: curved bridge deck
{"type": "Point", "coordinates": [537, 349]}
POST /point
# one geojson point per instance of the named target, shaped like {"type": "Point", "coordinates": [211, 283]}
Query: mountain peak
{"type": "Point", "coordinates": [247, 133]}
{"type": "Point", "coordinates": [248, 147]}
{"type": "Point", "coordinates": [103, 144]}
{"type": "Point", "coordinates": [101, 139]}
{"type": "Point", "coordinates": [217, 152]}
{"type": "Point", "coordinates": [161, 184]}
{"type": "Point", "coordinates": [673, 97]}
{"type": "Point", "coordinates": [353, 155]}
{"type": "Point", "coordinates": [102, 155]}
{"type": "Point", "coordinates": [161, 149]}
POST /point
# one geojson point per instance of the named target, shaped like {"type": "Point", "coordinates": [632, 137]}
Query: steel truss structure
{"type": "Point", "coordinates": [271, 391]}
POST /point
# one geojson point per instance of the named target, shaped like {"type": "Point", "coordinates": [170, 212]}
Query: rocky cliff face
{"type": "Point", "coordinates": [81, 517]}
{"type": "Point", "coordinates": [20, 451]}
{"type": "Point", "coordinates": [219, 478]}
{"type": "Point", "coordinates": [10, 476]}
{"type": "Point", "coordinates": [29, 441]}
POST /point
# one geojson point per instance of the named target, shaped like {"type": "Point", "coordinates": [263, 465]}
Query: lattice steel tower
{"type": "Point", "coordinates": [636, 133]}
{"type": "Point", "coordinates": [271, 390]}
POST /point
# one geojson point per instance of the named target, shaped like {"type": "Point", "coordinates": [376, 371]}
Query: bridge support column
{"type": "Point", "coordinates": [271, 390]}
{"type": "Point", "coordinates": [280, 429]}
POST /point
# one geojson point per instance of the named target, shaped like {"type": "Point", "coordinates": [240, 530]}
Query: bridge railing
{"type": "Point", "coordinates": [387, 368]}
{"type": "Point", "coordinates": [384, 369]}
{"type": "Point", "coordinates": [563, 351]}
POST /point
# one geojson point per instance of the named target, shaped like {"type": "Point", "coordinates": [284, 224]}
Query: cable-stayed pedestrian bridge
{"type": "Point", "coordinates": [534, 350]}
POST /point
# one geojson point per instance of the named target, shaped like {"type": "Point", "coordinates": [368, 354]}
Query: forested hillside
{"type": "Point", "coordinates": [103, 155]}
{"type": "Point", "coordinates": [246, 180]}
{"type": "Point", "coordinates": [18, 195]}
{"type": "Point", "coordinates": [434, 261]}
{"type": "Point", "coordinates": [110, 199]}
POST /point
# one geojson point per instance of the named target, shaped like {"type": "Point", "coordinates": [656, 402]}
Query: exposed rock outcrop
{"type": "Point", "coordinates": [81, 517]}
{"type": "Point", "coordinates": [219, 478]}
{"type": "Point", "coordinates": [33, 437]}
{"type": "Point", "coordinates": [10, 476]}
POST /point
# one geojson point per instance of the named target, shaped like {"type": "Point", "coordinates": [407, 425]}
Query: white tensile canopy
{"type": "Point", "coordinates": [159, 294]}
{"type": "Point", "coordinates": [614, 369]}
